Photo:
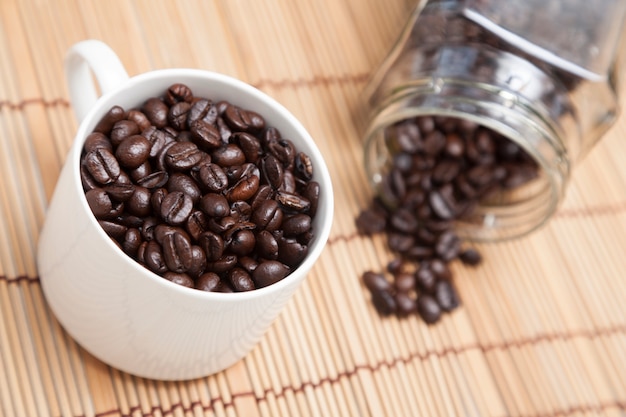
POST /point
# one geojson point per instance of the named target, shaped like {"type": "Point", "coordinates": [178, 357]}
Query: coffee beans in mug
{"type": "Point", "coordinates": [202, 193]}
{"type": "Point", "coordinates": [442, 169]}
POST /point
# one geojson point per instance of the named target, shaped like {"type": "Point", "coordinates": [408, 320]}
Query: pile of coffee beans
{"type": "Point", "coordinates": [441, 169]}
{"type": "Point", "coordinates": [201, 192]}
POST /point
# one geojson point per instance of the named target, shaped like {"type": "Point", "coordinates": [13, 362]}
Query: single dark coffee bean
{"type": "Point", "coordinates": [292, 202]}
{"type": "Point", "coordinates": [156, 111]}
{"type": "Point", "coordinates": [440, 269]}
{"type": "Point", "coordinates": [114, 115]}
{"type": "Point", "coordinates": [205, 135]}
{"type": "Point", "coordinates": [425, 277]}
{"type": "Point", "coordinates": [201, 109]}
{"type": "Point", "coordinates": [176, 208]}
{"type": "Point", "coordinates": [183, 156]}
{"type": "Point", "coordinates": [238, 119]}
{"type": "Point", "coordinates": [178, 92]}
{"type": "Point", "coordinates": [198, 261]}
{"type": "Point", "coordinates": [102, 165]}
{"type": "Point", "coordinates": [222, 265]}
{"type": "Point", "coordinates": [177, 115]}
{"type": "Point", "coordinates": [244, 189]}
{"type": "Point", "coordinates": [273, 172]}
{"type": "Point", "coordinates": [249, 145]}
{"type": "Point", "coordinates": [185, 184]}
{"type": "Point", "coordinates": [404, 221]}
{"type": "Point", "coordinates": [400, 242]}
{"type": "Point", "coordinates": [177, 251]}
{"type": "Point", "coordinates": [446, 295]}
{"type": "Point", "coordinates": [100, 203]}
{"type": "Point", "coordinates": [153, 258]}
{"type": "Point", "coordinates": [122, 130]}
{"type": "Point", "coordinates": [269, 272]}
{"type": "Point", "coordinates": [212, 244]}
{"type": "Point", "coordinates": [97, 140]}
{"type": "Point", "coordinates": [159, 138]}
{"type": "Point", "coordinates": [296, 225]}
{"type": "Point", "coordinates": [266, 245]}
{"type": "Point", "coordinates": [311, 193]}
{"type": "Point", "coordinates": [139, 203]}
{"type": "Point", "coordinates": [441, 206]}
{"type": "Point", "coordinates": [179, 279]}
{"type": "Point", "coordinates": [153, 180]}
{"type": "Point", "coordinates": [303, 166]}
{"type": "Point", "coordinates": [139, 173]}
{"type": "Point", "coordinates": [242, 242]}
{"type": "Point", "coordinates": [133, 151]}
{"type": "Point", "coordinates": [404, 282]}
{"type": "Point", "coordinates": [209, 281]}
{"type": "Point", "coordinates": [291, 252]}
{"type": "Point", "coordinates": [283, 150]}
{"type": "Point", "coordinates": [428, 308]}
{"type": "Point", "coordinates": [268, 215]}
{"type": "Point", "coordinates": [228, 155]}
{"type": "Point", "coordinates": [132, 241]}
{"type": "Point", "coordinates": [215, 205]}
{"type": "Point", "coordinates": [470, 257]}
{"type": "Point", "coordinates": [448, 246]}
{"type": "Point", "coordinates": [265, 192]}
{"type": "Point", "coordinates": [240, 280]}
{"type": "Point", "coordinates": [375, 281]}
{"type": "Point", "coordinates": [211, 177]}
{"type": "Point", "coordinates": [248, 263]}
{"type": "Point", "coordinates": [240, 210]}
{"type": "Point", "coordinates": [384, 302]}
{"type": "Point", "coordinates": [139, 118]}
{"type": "Point", "coordinates": [120, 192]}
{"type": "Point", "coordinates": [406, 304]}
{"type": "Point", "coordinates": [114, 229]}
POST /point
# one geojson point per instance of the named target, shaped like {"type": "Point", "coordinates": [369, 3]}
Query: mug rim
{"type": "Point", "coordinates": [321, 175]}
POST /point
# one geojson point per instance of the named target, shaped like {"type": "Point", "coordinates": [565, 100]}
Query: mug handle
{"type": "Point", "coordinates": [84, 61]}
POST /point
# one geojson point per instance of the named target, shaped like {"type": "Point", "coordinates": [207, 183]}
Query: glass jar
{"type": "Point", "coordinates": [541, 73]}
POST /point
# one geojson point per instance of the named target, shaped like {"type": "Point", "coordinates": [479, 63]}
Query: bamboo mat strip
{"type": "Point", "coordinates": [542, 331]}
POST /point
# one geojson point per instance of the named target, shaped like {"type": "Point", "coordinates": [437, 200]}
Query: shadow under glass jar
{"type": "Point", "coordinates": [448, 64]}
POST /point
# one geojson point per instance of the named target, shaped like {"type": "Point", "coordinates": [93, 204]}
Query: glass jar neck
{"type": "Point", "coordinates": [508, 114]}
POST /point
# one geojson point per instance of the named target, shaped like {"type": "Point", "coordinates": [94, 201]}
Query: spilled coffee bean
{"type": "Point", "coordinates": [442, 169]}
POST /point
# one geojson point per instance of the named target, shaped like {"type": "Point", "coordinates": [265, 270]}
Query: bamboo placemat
{"type": "Point", "coordinates": [542, 329]}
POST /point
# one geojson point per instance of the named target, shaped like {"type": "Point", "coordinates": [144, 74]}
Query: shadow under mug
{"type": "Point", "coordinates": [120, 312]}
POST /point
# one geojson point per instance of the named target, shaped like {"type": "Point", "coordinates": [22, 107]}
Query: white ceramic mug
{"type": "Point", "coordinates": [116, 309]}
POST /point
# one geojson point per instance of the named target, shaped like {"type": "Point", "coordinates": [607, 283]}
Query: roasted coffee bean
{"type": "Point", "coordinates": [139, 173]}
{"type": "Point", "coordinates": [114, 115]}
{"type": "Point", "coordinates": [198, 261]}
{"type": "Point", "coordinates": [139, 203]}
{"type": "Point", "coordinates": [120, 192]}
{"type": "Point", "coordinates": [304, 166]}
{"type": "Point", "coordinates": [177, 115]}
{"type": "Point", "coordinates": [266, 245]}
{"type": "Point", "coordinates": [404, 282]}
{"type": "Point", "coordinates": [406, 304]}
{"type": "Point", "coordinates": [101, 205]}
{"type": "Point", "coordinates": [215, 205]}
{"type": "Point", "coordinates": [440, 269]}
{"type": "Point", "coordinates": [404, 221]}
{"type": "Point", "coordinates": [269, 272]}
{"type": "Point", "coordinates": [158, 139]}
{"type": "Point", "coordinates": [400, 242]}
{"type": "Point", "coordinates": [185, 184]}
{"type": "Point", "coordinates": [228, 155]}
{"type": "Point", "coordinates": [97, 140]}
{"type": "Point", "coordinates": [177, 251]}
{"type": "Point", "coordinates": [371, 221]}
{"type": "Point", "coordinates": [244, 189]}
{"type": "Point", "coordinates": [133, 151]}
{"type": "Point", "coordinates": [178, 92]}
{"type": "Point", "coordinates": [311, 193]}
{"type": "Point", "coordinates": [122, 130]}
{"type": "Point", "coordinates": [296, 225]}
{"type": "Point", "coordinates": [384, 302]}
{"type": "Point", "coordinates": [425, 277]}
{"type": "Point", "coordinates": [209, 281]}
{"type": "Point", "coordinates": [199, 109]}
{"type": "Point", "coordinates": [132, 241]}
{"type": "Point", "coordinates": [292, 201]}
{"type": "Point", "coordinates": [240, 210]}
{"type": "Point", "coordinates": [102, 165]}
{"type": "Point", "coordinates": [179, 279]}
{"type": "Point", "coordinates": [197, 223]}
{"type": "Point", "coordinates": [448, 246]}
{"type": "Point", "coordinates": [183, 156]}
{"type": "Point", "coordinates": [428, 308]}
{"type": "Point", "coordinates": [176, 208]}
{"type": "Point", "coordinates": [375, 281]}
{"type": "Point", "coordinates": [156, 111]}
{"type": "Point", "coordinates": [156, 179]}
{"type": "Point", "coordinates": [240, 280]}
{"type": "Point", "coordinates": [446, 295]}
{"type": "Point", "coordinates": [264, 192]}
{"type": "Point", "coordinates": [212, 177]}
{"type": "Point", "coordinates": [213, 245]}
{"type": "Point", "coordinates": [153, 258]}
{"type": "Point", "coordinates": [237, 118]}
{"type": "Point", "coordinates": [147, 229]}
{"type": "Point", "coordinates": [242, 242]}
{"type": "Point", "coordinates": [291, 252]}
{"type": "Point", "coordinates": [139, 118]}
{"type": "Point", "coordinates": [273, 172]}
{"type": "Point", "coordinates": [205, 135]}
{"type": "Point", "coordinates": [249, 145]}
{"type": "Point", "coordinates": [268, 215]}
{"type": "Point", "coordinates": [224, 264]}
{"type": "Point", "coordinates": [470, 257]}
{"type": "Point", "coordinates": [284, 151]}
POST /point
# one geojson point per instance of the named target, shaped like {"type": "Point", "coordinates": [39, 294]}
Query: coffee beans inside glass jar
{"type": "Point", "coordinates": [203, 193]}
{"type": "Point", "coordinates": [442, 169]}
